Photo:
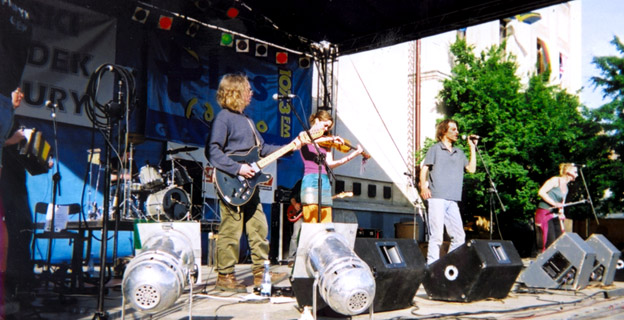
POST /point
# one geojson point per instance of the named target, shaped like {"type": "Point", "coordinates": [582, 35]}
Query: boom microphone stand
{"type": "Point", "coordinates": [56, 178]}
{"type": "Point", "coordinates": [492, 190]}
{"type": "Point", "coordinates": [589, 199]}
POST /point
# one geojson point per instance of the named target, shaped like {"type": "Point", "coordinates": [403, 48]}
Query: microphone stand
{"type": "Point", "coordinates": [419, 206]}
{"type": "Point", "coordinates": [492, 190]}
{"type": "Point", "coordinates": [56, 178]}
{"type": "Point", "coordinates": [321, 162]}
{"type": "Point", "coordinates": [591, 204]}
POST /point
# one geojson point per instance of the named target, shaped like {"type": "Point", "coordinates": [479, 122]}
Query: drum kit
{"type": "Point", "coordinates": [158, 198]}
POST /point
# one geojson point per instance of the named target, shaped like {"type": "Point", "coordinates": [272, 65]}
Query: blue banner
{"type": "Point", "coordinates": [182, 82]}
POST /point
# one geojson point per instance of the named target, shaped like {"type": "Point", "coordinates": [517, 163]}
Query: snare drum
{"type": "Point", "coordinates": [150, 178]}
{"type": "Point", "coordinates": [172, 202]}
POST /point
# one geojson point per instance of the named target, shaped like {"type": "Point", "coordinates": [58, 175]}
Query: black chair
{"type": "Point", "coordinates": [75, 238]}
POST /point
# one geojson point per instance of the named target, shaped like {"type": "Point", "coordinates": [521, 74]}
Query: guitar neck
{"type": "Point", "coordinates": [276, 155]}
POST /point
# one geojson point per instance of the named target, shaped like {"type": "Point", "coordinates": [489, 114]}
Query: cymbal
{"type": "Point", "coordinates": [183, 149]}
{"type": "Point", "coordinates": [136, 138]}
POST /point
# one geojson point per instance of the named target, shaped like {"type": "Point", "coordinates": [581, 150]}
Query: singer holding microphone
{"type": "Point", "coordinates": [441, 182]}
{"type": "Point", "coordinates": [552, 198]}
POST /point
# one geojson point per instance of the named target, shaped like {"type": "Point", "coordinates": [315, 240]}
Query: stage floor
{"type": "Point", "coordinates": [593, 302]}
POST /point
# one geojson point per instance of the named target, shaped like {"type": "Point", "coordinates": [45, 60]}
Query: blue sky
{"type": "Point", "coordinates": [601, 20]}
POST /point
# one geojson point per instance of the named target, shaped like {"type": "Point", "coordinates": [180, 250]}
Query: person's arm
{"type": "Point", "coordinates": [472, 163]}
{"type": "Point", "coordinates": [216, 145]}
{"type": "Point", "coordinates": [543, 192]}
{"type": "Point", "coordinates": [336, 163]}
{"type": "Point", "coordinates": [15, 138]}
{"type": "Point", "coordinates": [425, 193]}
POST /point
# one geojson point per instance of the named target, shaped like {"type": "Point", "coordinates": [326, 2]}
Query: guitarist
{"type": "Point", "coordinates": [309, 185]}
{"type": "Point", "coordinates": [552, 194]}
{"type": "Point", "coordinates": [234, 132]}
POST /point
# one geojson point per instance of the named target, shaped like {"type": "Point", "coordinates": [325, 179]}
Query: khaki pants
{"type": "Point", "coordinates": [233, 219]}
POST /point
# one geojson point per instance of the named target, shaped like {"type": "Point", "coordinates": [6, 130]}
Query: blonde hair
{"type": "Point", "coordinates": [322, 115]}
{"type": "Point", "coordinates": [231, 92]}
{"type": "Point", "coordinates": [563, 168]}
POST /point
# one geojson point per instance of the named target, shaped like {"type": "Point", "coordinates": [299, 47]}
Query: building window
{"type": "Point", "coordinates": [543, 58]}
{"type": "Point", "coordinates": [372, 190]}
{"type": "Point", "coordinates": [340, 186]}
{"type": "Point", "coordinates": [357, 188]}
{"type": "Point", "coordinates": [387, 192]}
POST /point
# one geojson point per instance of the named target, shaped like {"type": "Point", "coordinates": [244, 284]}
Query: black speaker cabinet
{"type": "Point", "coordinates": [607, 256]}
{"type": "Point", "coordinates": [477, 270]}
{"type": "Point", "coordinates": [566, 264]}
{"type": "Point", "coordinates": [398, 267]}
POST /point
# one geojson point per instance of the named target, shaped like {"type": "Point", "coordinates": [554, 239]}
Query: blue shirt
{"type": "Point", "coordinates": [446, 171]}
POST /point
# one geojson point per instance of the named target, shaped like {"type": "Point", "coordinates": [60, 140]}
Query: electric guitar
{"type": "Point", "coordinates": [237, 190]}
{"type": "Point", "coordinates": [294, 215]}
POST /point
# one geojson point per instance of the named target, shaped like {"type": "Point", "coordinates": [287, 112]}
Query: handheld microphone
{"type": "Point", "coordinates": [474, 137]}
{"type": "Point", "coordinates": [278, 96]}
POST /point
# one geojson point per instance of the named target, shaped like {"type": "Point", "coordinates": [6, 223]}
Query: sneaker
{"type": "Point", "coordinates": [227, 282]}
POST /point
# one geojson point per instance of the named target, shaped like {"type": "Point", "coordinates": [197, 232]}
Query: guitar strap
{"type": "Point", "coordinates": [253, 129]}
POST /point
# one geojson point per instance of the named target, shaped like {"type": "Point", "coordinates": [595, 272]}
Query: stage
{"type": "Point", "coordinates": [592, 302]}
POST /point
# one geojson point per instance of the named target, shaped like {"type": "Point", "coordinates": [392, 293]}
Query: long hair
{"type": "Point", "coordinates": [231, 92]}
{"type": "Point", "coordinates": [322, 115]}
{"type": "Point", "coordinates": [443, 127]}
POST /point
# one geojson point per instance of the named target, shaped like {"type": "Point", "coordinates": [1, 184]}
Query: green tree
{"type": "Point", "coordinates": [611, 118]}
{"type": "Point", "coordinates": [525, 133]}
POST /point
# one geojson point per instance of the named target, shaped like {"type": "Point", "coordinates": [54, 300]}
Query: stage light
{"type": "Point", "coordinates": [242, 45]}
{"type": "Point", "coordinates": [165, 22]}
{"type": "Point", "coordinates": [261, 50]}
{"type": "Point", "coordinates": [232, 12]}
{"type": "Point", "coordinates": [192, 29]}
{"type": "Point", "coordinates": [281, 57]}
{"type": "Point", "coordinates": [227, 39]}
{"type": "Point", "coordinates": [304, 62]}
{"type": "Point", "coordinates": [201, 4]}
{"type": "Point", "coordinates": [140, 15]}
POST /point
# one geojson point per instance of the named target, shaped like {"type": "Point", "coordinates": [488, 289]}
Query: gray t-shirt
{"type": "Point", "coordinates": [446, 171]}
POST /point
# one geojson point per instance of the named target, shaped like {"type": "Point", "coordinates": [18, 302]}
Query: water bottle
{"type": "Point", "coordinates": [307, 314]}
{"type": "Point", "coordinates": [265, 286]}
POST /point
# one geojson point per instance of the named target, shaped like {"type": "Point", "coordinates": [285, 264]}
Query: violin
{"type": "Point", "coordinates": [342, 147]}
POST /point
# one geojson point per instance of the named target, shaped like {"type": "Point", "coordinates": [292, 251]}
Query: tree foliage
{"type": "Point", "coordinates": [611, 118]}
{"type": "Point", "coordinates": [526, 132]}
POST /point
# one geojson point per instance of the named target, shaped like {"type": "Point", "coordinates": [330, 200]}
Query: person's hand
{"type": "Point", "coordinates": [246, 171]}
{"type": "Point", "coordinates": [473, 140]}
{"type": "Point", "coordinates": [425, 193]}
{"type": "Point", "coordinates": [359, 149]}
{"type": "Point", "coordinates": [16, 97]}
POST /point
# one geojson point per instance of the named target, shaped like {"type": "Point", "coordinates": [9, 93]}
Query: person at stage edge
{"type": "Point", "coordinates": [309, 184]}
{"type": "Point", "coordinates": [15, 36]}
{"type": "Point", "coordinates": [233, 132]}
{"type": "Point", "coordinates": [441, 182]}
{"type": "Point", "coordinates": [552, 194]}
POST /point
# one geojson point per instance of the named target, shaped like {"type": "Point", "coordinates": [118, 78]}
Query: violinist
{"type": "Point", "coordinates": [309, 184]}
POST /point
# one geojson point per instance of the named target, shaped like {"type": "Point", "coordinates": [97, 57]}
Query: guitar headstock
{"type": "Point", "coordinates": [316, 132]}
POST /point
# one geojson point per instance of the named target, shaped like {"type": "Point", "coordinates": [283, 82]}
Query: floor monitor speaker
{"type": "Point", "coordinates": [607, 256]}
{"type": "Point", "coordinates": [398, 268]}
{"type": "Point", "coordinates": [566, 264]}
{"type": "Point", "coordinates": [477, 270]}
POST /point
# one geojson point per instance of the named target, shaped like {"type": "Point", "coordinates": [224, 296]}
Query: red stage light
{"type": "Point", "coordinates": [281, 57]}
{"type": "Point", "coordinates": [165, 22]}
{"type": "Point", "coordinates": [232, 13]}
